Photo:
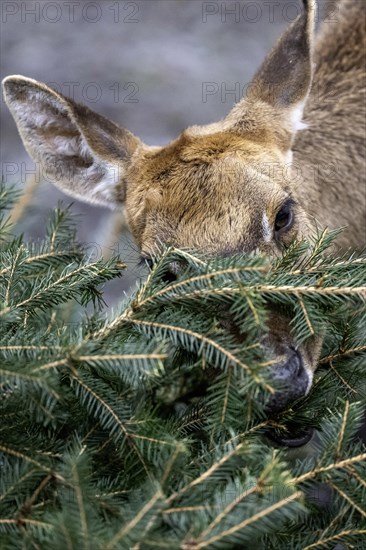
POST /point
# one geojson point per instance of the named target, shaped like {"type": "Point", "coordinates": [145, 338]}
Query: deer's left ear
{"type": "Point", "coordinates": [283, 82]}
{"type": "Point", "coordinates": [79, 150]}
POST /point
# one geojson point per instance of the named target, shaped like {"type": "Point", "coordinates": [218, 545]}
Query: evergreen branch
{"type": "Point", "coordinates": [67, 536]}
{"type": "Point", "coordinates": [52, 236]}
{"type": "Point", "coordinates": [150, 276]}
{"type": "Point", "coordinates": [335, 520]}
{"type": "Point", "coordinates": [61, 227]}
{"type": "Point", "coordinates": [242, 525]}
{"type": "Point", "coordinates": [354, 474]}
{"type": "Point", "coordinates": [206, 340]}
{"type": "Point", "coordinates": [59, 282]}
{"type": "Point", "coordinates": [104, 332]}
{"type": "Point", "coordinates": [343, 427]}
{"type": "Point", "coordinates": [19, 481]}
{"type": "Point", "coordinates": [253, 310]}
{"type": "Point", "coordinates": [224, 405]}
{"type": "Point", "coordinates": [240, 446]}
{"type": "Point", "coordinates": [20, 376]}
{"type": "Point", "coordinates": [333, 266]}
{"type": "Point", "coordinates": [124, 357]}
{"type": "Point", "coordinates": [342, 353]}
{"type": "Point", "coordinates": [183, 509]}
{"type": "Point", "coordinates": [154, 544]}
{"type": "Point", "coordinates": [31, 347]}
{"type": "Point", "coordinates": [151, 439]}
{"type": "Point", "coordinates": [228, 509]}
{"type": "Point", "coordinates": [33, 259]}
{"type": "Point", "coordinates": [94, 358]}
{"type": "Point", "coordinates": [273, 289]}
{"type": "Point", "coordinates": [10, 280]}
{"type": "Point", "coordinates": [80, 502]}
{"type": "Point", "coordinates": [307, 319]}
{"type": "Point", "coordinates": [319, 246]}
{"type": "Point", "coordinates": [26, 458]}
{"type": "Point", "coordinates": [348, 499]}
{"type": "Point", "coordinates": [51, 365]}
{"type": "Point", "coordinates": [135, 521]}
{"type": "Point", "coordinates": [113, 414]}
{"type": "Point", "coordinates": [203, 477]}
{"type": "Point", "coordinates": [243, 435]}
{"type": "Point", "coordinates": [178, 449]}
{"type": "Point", "coordinates": [335, 466]}
{"type": "Point", "coordinates": [27, 506]}
{"type": "Point", "coordinates": [349, 388]}
{"type": "Point", "coordinates": [336, 537]}
{"type": "Point", "coordinates": [192, 258]}
{"type": "Point", "coordinates": [173, 400]}
{"type": "Point", "coordinates": [25, 521]}
{"type": "Point", "coordinates": [197, 278]}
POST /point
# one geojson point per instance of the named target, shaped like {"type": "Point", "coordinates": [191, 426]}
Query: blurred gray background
{"type": "Point", "coordinates": [154, 66]}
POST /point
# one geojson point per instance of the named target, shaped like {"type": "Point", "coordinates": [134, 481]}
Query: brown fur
{"type": "Point", "coordinates": [218, 188]}
{"type": "Point", "coordinates": [332, 151]}
{"type": "Point", "coordinates": [210, 188]}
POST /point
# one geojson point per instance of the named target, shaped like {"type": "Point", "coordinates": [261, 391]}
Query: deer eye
{"type": "Point", "coordinates": [285, 218]}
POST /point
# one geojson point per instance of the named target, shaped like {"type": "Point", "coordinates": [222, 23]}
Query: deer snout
{"type": "Point", "coordinates": [292, 379]}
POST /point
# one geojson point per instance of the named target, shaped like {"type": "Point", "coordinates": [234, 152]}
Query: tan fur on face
{"type": "Point", "coordinates": [214, 191]}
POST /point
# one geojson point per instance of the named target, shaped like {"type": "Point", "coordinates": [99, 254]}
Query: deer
{"type": "Point", "coordinates": [210, 189]}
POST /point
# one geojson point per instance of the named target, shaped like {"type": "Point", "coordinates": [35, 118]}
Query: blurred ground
{"type": "Point", "coordinates": [144, 64]}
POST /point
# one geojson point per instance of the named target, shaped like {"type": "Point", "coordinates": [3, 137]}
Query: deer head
{"type": "Point", "coordinates": [212, 189]}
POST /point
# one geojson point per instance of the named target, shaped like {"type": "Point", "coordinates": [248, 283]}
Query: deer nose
{"type": "Point", "coordinates": [292, 378]}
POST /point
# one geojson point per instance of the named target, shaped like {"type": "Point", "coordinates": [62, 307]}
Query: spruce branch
{"type": "Point", "coordinates": [148, 427]}
{"type": "Point", "coordinates": [242, 525]}
{"type": "Point", "coordinates": [346, 535]}
{"type": "Point", "coordinates": [329, 468]}
{"type": "Point", "coordinates": [348, 499]}
{"type": "Point", "coordinates": [125, 530]}
{"type": "Point", "coordinates": [178, 334]}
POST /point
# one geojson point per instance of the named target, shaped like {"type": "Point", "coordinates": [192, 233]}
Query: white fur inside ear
{"type": "Point", "coordinates": [38, 118]}
{"type": "Point", "coordinates": [70, 146]}
{"type": "Point", "coordinates": [29, 112]}
{"type": "Point", "coordinates": [296, 117]}
{"type": "Point", "coordinates": [103, 175]}
{"type": "Point", "coordinates": [109, 176]}
{"type": "Point", "coordinates": [36, 105]}
{"type": "Point", "coordinates": [54, 138]}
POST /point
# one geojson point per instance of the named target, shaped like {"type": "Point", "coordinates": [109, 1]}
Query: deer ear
{"type": "Point", "coordinates": [284, 79]}
{"type": "Point", "coordinates": [79, 150]}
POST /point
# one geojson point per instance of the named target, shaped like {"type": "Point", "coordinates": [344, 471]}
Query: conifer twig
{"type": "Point", "coordinates": [334, 466]}
{"type": "Point", "coordinates": [135, 521]}
{"type": "Point", "coordinates": [336, 537]}
{"type": "Point", "coordinates": [259, 515]}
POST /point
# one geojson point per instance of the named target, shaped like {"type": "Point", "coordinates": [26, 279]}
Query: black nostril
{"type": "Point", "coordinates": [292, 380]}
{"type": "Point", "coordinates": [289, 369]}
